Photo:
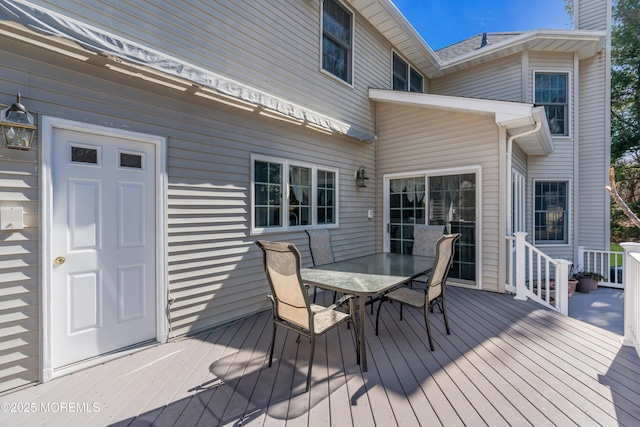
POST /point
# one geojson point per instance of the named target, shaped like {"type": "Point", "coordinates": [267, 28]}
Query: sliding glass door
{"type": "Point", "coordinates": [449, 200]}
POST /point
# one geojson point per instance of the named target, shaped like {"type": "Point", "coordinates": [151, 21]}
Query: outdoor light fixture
{"type": "Point", "coordinates": [361, 177]}
{"type": "Point", "coordinates": [17, 126]}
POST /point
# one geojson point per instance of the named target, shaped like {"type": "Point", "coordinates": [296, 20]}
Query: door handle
{"type": "Point", "coordinates": [60, 260]}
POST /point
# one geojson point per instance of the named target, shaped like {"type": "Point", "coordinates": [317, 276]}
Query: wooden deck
{"type": "Point", "coordinates": [506, 362]}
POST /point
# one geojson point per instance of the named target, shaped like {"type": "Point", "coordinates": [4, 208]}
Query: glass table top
{"type": "Point", "coordinates": [368, 275]}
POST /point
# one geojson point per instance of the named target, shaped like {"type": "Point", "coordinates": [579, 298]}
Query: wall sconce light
{"type": "Point", "coordinates": [361, 177]}
{"type": "Point", "coordinates": [17, 126]}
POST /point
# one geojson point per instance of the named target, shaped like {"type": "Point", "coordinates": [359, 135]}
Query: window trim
{"type": "Point", "coordinates": [351, 79]}
{"type": "Point", "coordinates": [286, 163]}
{"type": "Point", "coordinates": [549, 243]}
{"type": "Point", "coordinates": [410, 68]}
{"type": "Point", "coordinates": [569, 75]}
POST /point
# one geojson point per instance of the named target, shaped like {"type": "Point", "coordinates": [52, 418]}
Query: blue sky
{"type": "Point", "coordinates": [444, 22]}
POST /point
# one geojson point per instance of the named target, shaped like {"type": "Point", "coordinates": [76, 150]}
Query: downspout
{"type": "Point", "coordinates": [535, 129]}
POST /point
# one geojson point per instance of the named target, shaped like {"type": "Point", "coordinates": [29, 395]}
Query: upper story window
{"type": "Point", "coordinates": [551, 210]}
{"type": "Point", "coordinates": [288, 195]}
{"type": "Point", "coordinates": [551, 91]}
{"type": "Point", "coordinates": [337, 36]}
{"type": "Point", "coordinates": [405, 77]}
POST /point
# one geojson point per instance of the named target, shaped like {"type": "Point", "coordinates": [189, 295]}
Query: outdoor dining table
{"type": "Point", "coordinates": [369, 275]}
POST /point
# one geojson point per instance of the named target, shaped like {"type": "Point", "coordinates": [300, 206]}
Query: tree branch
{"type": "Point", "coordinates": [613, 190]}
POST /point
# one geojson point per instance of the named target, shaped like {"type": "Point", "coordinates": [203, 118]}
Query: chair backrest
{"type": "Point", "coordinates": [445, 249]}
{"type": "Point", "coordinates": [320, 245]}
{"type": "Point", "coordinates": [425, 238]}
{"type": "Point", "coordinates": [282, 267]}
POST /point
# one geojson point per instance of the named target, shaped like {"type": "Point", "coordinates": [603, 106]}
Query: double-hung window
{"type": "Point", "coordinates": [405, 77]}
{"type": "Point", "coordinates": [551, 210]}
{"type": "Point", "coordinates": [551, 91]}
{"type": "Point", "coordinates": [290, 195]}
{"type": "Point", "coordinates": [337, 40]}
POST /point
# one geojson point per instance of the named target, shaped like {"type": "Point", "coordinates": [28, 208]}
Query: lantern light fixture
{"type": "Point", "coordinates": [361, 177]}
{"type": "Point", "coordinates": [17, 126]}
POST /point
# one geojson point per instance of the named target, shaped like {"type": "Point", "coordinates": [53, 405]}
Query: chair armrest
{"type": "Point", "coordinates": [338, 303]}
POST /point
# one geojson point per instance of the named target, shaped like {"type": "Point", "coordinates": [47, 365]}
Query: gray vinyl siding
{"type": "Point", "coordinates": [272, 46]}
{"type": "Point", "coordinates": [417, 140]}
{"type": "Point", "coordinates": [519, 160]}
{"type": "Point", "coordinates": [215, 269]}
{"type": "Point", "coordinates": [594, 134]}
{"type": "Point", "coordinates": [593, 14]}
{"type": "Point", "coordinates": [19, 251]}
{"type": "Point", "coordinates": [500, 80]}
{"type": "Point", "coordinates": [560, 165]}
{"type": "Point", "coordinates": [593, 156]}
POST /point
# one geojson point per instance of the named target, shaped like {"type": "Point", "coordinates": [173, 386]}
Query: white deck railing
{"type": "Point", "coordinates": [535, 275]}
{"type": "Point", "coordinates": [632, 295]}
{"type": "Point", "coordinates": [608, 264]}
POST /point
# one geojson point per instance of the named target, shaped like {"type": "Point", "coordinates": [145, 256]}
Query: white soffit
{"type": "Point", "coordinates": [41, 27]}
{"type": "Point", "coordinates": [394, 26]}
{"type": "Point", "coordinates": [516, 117]}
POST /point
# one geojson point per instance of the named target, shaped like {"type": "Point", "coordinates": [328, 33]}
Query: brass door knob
{"type": "Point", "coordinates": [60, 260]}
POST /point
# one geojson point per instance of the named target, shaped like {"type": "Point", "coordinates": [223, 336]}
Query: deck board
{"type": "Point", "coordinates": [506, 362]}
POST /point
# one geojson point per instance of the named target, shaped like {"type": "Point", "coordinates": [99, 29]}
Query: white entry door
{"type": "Point", "coordinates": [103, 289]}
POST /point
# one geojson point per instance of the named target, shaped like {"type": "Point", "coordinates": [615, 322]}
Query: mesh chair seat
{"type": "Point", "coordinates": [321, 251]}
{"type": "Point", "coordinates": [326, 318]}
{"type": "Point", "coordinates": [434, 293]}
{"type": "Point", "coordinates": [290, 300]}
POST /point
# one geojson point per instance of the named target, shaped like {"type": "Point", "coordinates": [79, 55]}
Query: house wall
{"type": "Point", "coordinates": [274, 46]}
{"type": "Point", "coordinates": [561, 164]}
{"type": "Point", "coordinates": [418, 140]}
{"type": "Point", "coordinates": [594, 130]}
{"type": "Point", "coordinates": [500, 79]}
{"type": "Point", "coordinates": [19, 252]}
{"type": "Point", "coordinates": [215, 270]}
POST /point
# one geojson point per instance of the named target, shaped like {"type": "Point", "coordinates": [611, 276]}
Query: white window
{"type": "Point", "coordinates": [405, 77]}
{"type": "Point", "coordinates": [551, 212]}
{"type": "Point", "coordinates": [289, 195]}
{"type": "Point", "coordinates": [337, 40]}
{"type": "Point", "coordinates": [552, 92]}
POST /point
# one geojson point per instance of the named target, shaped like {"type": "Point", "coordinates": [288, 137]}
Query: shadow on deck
{"type": "Point", "coordinates": [506, 362]}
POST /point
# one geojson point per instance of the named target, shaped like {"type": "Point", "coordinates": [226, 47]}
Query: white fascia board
{"type": "Point", "coordinates": [505, 112]}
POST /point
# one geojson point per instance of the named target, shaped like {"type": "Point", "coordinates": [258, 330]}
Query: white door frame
{"type": "Point", "coordinates": [46, 225]}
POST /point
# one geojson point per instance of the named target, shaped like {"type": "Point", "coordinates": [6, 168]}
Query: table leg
{"type": "Point", "coordinates": [363, 346]}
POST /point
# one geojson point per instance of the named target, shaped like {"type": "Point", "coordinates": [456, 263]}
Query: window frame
{"type": "Point", "coordinates": [285, 226]}
{"type": "Point", "coordinates": [568, 105]}
{"type": "Point", "coordinates": [567, 210]}
{"type": "Point", "coordinates": [410, 69]}
{"type": "Point", "coordinates": [350, 55]}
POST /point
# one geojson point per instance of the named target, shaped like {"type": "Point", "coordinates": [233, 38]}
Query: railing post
{"type": "Point", "coordinates": [580, 265]}
{"type": "Point", "coordinates": [562, 286]}
{"type": "Point", "coordinates": [521, 289]}
{"type": "Point", "coordinates": [631, 282]}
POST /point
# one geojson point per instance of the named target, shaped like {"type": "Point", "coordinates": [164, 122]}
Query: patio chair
{"type": "Point", "coordinates": [425, 238]}
{"type": "Point", "coordinates": [290, 300]}
{"type": "Point", "coordinates": [321, 251]}
{"type": "Point", "coordinates": [434, 294]}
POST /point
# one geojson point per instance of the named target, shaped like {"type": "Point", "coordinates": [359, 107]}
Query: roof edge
{"type": "Point", "coordinates": [514, 116]}
{"type": "Point", "coordinates": [519, 41]}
